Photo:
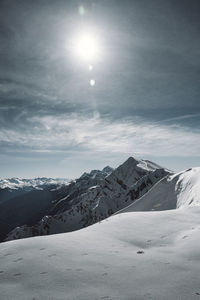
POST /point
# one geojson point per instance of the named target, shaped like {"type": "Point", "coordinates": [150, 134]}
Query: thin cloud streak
{"type": "Point", "coordinates": [183, 117]}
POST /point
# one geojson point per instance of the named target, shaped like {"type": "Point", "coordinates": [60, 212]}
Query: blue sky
{"type": "Point", "coordinates": [145, 102]}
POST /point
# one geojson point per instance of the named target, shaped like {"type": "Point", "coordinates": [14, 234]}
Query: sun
{"type": "Point", "coordinates": [86, 47]}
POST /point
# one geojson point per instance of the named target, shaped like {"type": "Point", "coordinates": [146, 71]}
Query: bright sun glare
{"type": "Point", "coordinates": [86, 47]}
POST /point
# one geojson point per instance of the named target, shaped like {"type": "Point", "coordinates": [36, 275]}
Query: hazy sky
{"type": "Point", "coordinates": [146, 100]}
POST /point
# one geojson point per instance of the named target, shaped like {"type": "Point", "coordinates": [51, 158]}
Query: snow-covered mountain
{"type": "Point", "coordinates": [26, 201]}
{"type": "Point", "coordinates": [174, 191]}
{"type": "Point", "coordinates": [87, 204]}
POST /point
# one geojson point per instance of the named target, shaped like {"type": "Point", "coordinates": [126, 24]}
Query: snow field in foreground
{"type": "Point", "coordinates": [129, 256]}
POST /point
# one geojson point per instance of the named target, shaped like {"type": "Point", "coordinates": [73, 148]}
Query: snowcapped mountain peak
{"type": "Point", "coordinates": [133, 170]}
{"type": "Point", "coordinates": [131, 161]}
{"type": "Point", "coordinates": [147, 165]}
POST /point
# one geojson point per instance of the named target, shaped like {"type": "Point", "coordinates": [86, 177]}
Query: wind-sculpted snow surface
{"type": "Point", "coordinates": [129, 256]}
{"type": "Point", "coordinates": [122, 187]}
{"type": "Point", "coordinates": [174, 191]}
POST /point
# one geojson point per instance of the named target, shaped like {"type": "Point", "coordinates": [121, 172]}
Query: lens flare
{"type": "Point", "coordinates": [92, 82]}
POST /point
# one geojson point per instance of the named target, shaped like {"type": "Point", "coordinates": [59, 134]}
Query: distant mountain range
{"type": "Point", "coordinates": [30, 184]}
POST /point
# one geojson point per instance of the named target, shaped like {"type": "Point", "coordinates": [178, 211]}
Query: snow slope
{"type": "Point", "coordinates": [174, 191]}
{"type": "Point", "coordinates": [129, 256]}
{"type": "Point", "coordinates": [120, 188]}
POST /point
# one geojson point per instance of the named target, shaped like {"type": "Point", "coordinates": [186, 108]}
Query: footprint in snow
{"type": "Point", "coordinates": [104, 274]}
{"type": "Point", "coordinates": [79, 270]}
{"type": "Point", "coordinates": [42, 273]}
{"type": "Point", "coordinates": [140, 252]}
{"type": "Point", "coordinates": [198, 294]}
{"type": "Point", "coordinates": [50, 255]}
{"type": "Point", "coordinates": [18, 259]}
{"type": "Point", "coordinates": [1, 272]}
{"type": "Point", "coordinates": [185, 236]}
{"type": "Point", "coordinates": [42, 249]}
{"type": "Point", "coordinates": [17, 274]}
{"type": "Point", "coordinates": [7, 254]}
{"type": "Point", "coordinates": [163, 236]}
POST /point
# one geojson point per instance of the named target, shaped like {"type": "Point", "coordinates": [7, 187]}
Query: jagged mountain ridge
{"type": "Point", "coordinates": [27, 201]}
{"type": "Point", "coordinates": [123, 186]}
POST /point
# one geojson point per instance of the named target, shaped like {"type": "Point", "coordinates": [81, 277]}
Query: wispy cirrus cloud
{"type": "Point", "coordinates": [96, 134]}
